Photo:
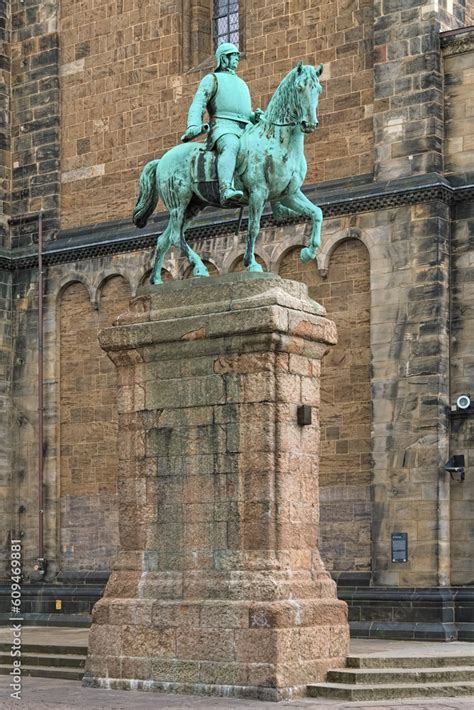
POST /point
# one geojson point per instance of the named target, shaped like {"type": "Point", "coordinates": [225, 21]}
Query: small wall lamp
{"type": "Point", "coordinates": [456, 467]}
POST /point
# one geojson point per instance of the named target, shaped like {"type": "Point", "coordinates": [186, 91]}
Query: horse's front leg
{"type": "Point", "coordinates": [256, 204]}
{"type": "Point", "coordinates": [282, 213]}
{"type": "Point", "coordinates": [299, 203]}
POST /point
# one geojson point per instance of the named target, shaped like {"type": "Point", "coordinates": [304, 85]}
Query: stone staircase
{"type": "Point", "coordinates": [43, 661]}
{"type": "Point", "coordinates": [397, 677]}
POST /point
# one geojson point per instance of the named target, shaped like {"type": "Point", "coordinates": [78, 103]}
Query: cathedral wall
{"type": "Point", "coordinates": [35, 122]}
{"type": "Point", "coordinates": [346, 408]}
{"type": "Point", "coordinates": [458, 62]}
{"type": "Point", "coordinates": [7, 482]}
{"type": "Point", "coordinates": [5, 142]}
{"type": "Point", "coordinates": [462, 382]}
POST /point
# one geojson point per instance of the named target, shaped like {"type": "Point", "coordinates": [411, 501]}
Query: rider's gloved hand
{"type": "Point", "coordinates": [194, 132]}
{"type": "Point", "coordinates": [257, 115]}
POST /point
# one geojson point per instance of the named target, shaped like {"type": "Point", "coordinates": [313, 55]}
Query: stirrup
{"type": "Point", "coordinates": [228, 194]}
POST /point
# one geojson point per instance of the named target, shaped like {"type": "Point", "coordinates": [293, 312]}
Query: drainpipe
{"type": "Point", "coordinates": [41, 562]}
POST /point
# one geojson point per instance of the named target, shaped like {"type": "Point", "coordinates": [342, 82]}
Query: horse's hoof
{"type": "Point", "coordinates": [156, 280]}
{"type": "Point", "coordinates": [256, 268]}
{"type": "Point", "coordinates": [307, 254]}
{"type": "Point", "coordinates": [200, 271]}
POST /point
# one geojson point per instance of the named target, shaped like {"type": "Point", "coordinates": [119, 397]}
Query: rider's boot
{"type": "Point", "coordinates": [227, 149]}
{"type": "Point", "coordinates": [228, 194]}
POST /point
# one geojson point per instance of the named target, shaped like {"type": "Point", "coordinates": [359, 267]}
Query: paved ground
{"type": "Point", "coordinates": [44, 694]}
{"type": "Point", "coordinates": [48, 694]}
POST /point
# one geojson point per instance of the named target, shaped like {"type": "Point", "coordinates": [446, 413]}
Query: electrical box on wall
{"type": "Point", "coordinates": [399, 547]}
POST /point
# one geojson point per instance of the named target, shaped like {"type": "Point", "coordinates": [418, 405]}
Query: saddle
{"type": "Point", "coordinates": [204, 175]}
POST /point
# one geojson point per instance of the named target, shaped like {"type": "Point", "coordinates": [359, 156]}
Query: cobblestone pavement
{"type": "Point", "coordinates": [51, 694]}
{"type": "Point", "coordinates": [48, 694]}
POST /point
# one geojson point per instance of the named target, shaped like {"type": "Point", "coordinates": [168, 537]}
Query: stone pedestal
{"type": "Point", "coordinates": [219, 587]}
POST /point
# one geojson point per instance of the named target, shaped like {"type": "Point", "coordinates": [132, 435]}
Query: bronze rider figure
{"type": "Point", "coordinates": [227, 99]}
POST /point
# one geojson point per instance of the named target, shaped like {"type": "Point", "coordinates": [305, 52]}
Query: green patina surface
{"type": "Point", "coordinates": [249, 157]}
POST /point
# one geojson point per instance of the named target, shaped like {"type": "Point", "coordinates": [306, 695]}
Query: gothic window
{"type": "Point", "coordinates": [226, 22]}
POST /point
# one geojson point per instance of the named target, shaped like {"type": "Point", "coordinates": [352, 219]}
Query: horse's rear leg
{"type": "Point", "coordinates": [163, 243]}
{"type": "Point", "coordinates": [179, 218]}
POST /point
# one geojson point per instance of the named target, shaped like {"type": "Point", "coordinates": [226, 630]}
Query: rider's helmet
{"type": "Point", "coordinates": [225, 48]}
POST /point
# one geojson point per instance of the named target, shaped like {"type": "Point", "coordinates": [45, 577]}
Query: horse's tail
{"type": "Point", "coordinates": [149, 194]}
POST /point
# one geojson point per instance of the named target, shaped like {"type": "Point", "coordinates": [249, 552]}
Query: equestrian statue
{"type": "Point", "coordinates": [249, 157]}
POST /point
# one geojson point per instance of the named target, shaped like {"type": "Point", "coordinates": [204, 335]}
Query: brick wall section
{"type": "Point", "coordinates": [462, 378]}
{"type": "Point", "coordinates": [125, 100]}
{"type": "Point", "coordinates": [408, 85]}
{"type": "Point", "coordinates": [458, 61]}
{"type": "Point", "coordinates": [345, 467]}
{"type": "Point", "coordinates": [6, 481]}
{"type": "Point", "coordinates": [410, 391]}
{"type": "Point", "coordinates": [469, 13]}
{"type": "Point", "coordinates": [197, 41]}
{"type": "Point", "coordinates": [5, 157]}
{"type": "Point", "coordinates": [88, 429]}
{"type": "Point", "coordinates": [6, 491]}
{"type": "Point", "coordinates": [459, 82]}
{"type": "Point", "coordinates": [35, 117]}
{"type": "Point", "coordinates": [338, 34]}
{"type": "Point", "coordinates": [24, 410]}
{"type": "Point", "coordinates": [454, 13]}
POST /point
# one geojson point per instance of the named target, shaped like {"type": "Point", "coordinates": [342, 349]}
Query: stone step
{"type": "Point", "coordinates": [46, 672]}
{"type": "Point", "coordinates": [361, 661]}
{"type": "Point", "coordinates": [47, 659]}
{"type": "Point", "coordinates": [356, 676]}
{"type": "Point", "coordinates": [390, 691]}
{"type": "Point", "coordinates": [64, 650]}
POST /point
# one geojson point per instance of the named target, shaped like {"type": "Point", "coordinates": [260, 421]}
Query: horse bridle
{"type": "Point", "coordinates": [274, 123]}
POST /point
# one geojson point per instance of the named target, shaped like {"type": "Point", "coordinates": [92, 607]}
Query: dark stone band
{"type": "Point", "coordinates": [338, 198]}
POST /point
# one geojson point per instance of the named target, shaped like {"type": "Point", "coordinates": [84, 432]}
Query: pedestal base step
{"type": "Point", "coordinates": [367, 678]}
{"type": "Point", "coordinates": [66, 662]}
{"type": "Point", "coordinates": [390, 691]}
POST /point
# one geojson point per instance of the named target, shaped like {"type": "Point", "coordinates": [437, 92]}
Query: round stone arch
{"type": "Point", "coordinates": [103, 277]}
{"type": "Point", "coordinates": [330, 244]}
{"type": "Point", "coordinates": [293, 241]}
{"type": "Point", "coordinates": [67, 280]}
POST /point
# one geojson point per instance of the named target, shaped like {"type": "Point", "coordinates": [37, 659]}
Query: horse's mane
{"type": "Point", "coordinates": [285, 104]}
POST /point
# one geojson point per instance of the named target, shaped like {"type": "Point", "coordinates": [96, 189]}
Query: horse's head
{"type": "Point", "coordinates": [294, 102]}
{"type": "Point", "coordinates": [308, 88]}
